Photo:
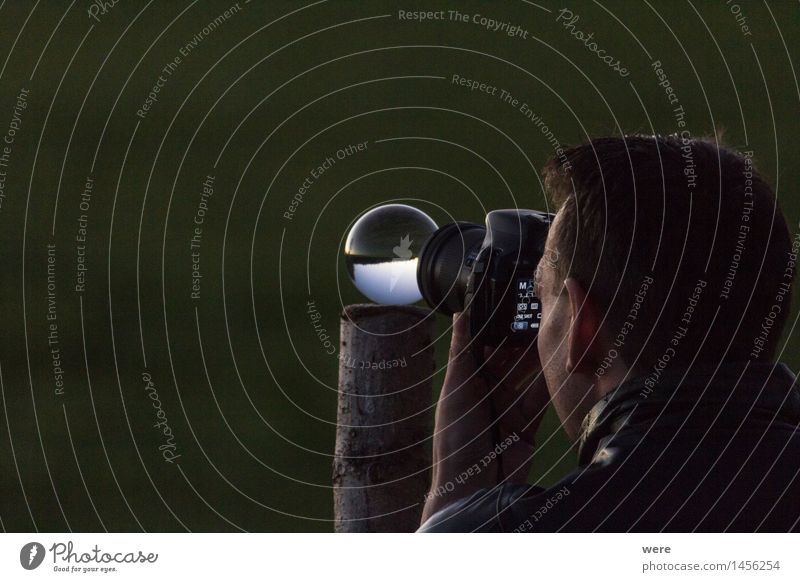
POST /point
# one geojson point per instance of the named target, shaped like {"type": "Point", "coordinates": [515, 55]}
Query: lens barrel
{"type": "Point", "coordinates": [446, 263]}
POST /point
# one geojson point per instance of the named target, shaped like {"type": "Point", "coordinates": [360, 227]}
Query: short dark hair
{"type": "Point", "coordinates": [680, 241]}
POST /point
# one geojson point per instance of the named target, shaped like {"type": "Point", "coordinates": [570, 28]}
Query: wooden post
{"type": "Point", "coordinates": [382, 460]}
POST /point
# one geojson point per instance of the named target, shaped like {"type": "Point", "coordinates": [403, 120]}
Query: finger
{"type": "Point", "coordinates": [512, 367]}
{"type": "Point", "coordinates": [511, 355]}
{"type": "Point", "coordinates": [528, 400]}
{"type": "Point", "coordinates": [459, 340]}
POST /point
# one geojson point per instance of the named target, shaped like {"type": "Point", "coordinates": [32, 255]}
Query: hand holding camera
{"type": "Point", "coordinates": [486, 418]}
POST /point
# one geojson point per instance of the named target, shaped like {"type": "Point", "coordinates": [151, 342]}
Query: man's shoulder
{"type": "Point", "coordinates": [505, 508]}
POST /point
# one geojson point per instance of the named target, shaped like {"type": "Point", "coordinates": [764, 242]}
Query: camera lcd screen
{"type": "Point", "coordinates": [528, 311]}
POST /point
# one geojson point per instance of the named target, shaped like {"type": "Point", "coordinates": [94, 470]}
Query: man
{"type": "Point", "coordinates": [665, 287]}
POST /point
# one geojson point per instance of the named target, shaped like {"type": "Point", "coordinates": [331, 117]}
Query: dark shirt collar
{"type": "Point", "coordinates": [745, 389]}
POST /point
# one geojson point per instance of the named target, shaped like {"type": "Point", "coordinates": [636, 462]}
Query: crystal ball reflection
{"type": "Point", "coordinates": [382, 252]}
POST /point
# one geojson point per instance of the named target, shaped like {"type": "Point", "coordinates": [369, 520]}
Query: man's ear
{"type": "Point", "coordinates": [584, 336]}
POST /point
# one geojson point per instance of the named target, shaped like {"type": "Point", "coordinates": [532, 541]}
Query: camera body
{"type": "Point", "coordinates": [488, 272]}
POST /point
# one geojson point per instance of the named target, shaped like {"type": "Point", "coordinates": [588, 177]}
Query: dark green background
{"type": "Point", "coordinates": [256, 441]}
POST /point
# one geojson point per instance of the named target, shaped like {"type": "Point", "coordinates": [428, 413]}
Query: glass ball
{"type": "Point", "coordinates": [382, 253]}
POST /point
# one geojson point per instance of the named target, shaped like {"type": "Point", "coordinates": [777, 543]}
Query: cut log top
{"type": "Point", "coordinates": [360, 311]}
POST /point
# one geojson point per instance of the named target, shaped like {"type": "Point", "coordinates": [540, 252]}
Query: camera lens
{"type": "Point", "coordinates": [446, 263]}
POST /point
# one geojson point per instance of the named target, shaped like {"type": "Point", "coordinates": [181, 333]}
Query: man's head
{"type": "Point", "coordinates": [665, 252]}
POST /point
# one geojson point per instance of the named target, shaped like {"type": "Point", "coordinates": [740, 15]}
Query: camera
{"type": "Point", "coordinates": [487, 272]}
